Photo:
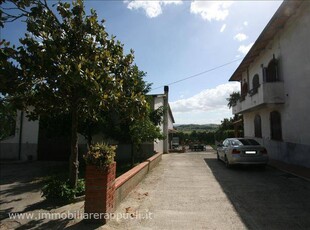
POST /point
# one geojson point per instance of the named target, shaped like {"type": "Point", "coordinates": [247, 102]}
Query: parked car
{"type": "Point", "coordinates": [175, 142]}
{"type": "Point", "coordinates": [234, 151]}
{"type": "Point", "coordinates": [197, 147]}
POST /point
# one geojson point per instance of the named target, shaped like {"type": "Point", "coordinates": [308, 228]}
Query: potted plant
{"type": "Point", "coordinates": [100, 156]}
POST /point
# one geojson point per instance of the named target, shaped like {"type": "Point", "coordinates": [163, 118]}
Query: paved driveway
{"type": "Point", "coordinates": [195, 191]}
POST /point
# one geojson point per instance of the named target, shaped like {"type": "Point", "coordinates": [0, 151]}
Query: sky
{"type": "Point", "coordinates": [192, 46]}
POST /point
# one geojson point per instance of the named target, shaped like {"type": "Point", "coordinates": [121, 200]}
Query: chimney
{"type": "Point", "coordinates": [166, 89]}
{"type": "Point", "coordinates": [165, 120]}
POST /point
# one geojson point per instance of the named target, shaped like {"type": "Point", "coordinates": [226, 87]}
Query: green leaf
{"type": "Point", "coordinates": [60, 69]}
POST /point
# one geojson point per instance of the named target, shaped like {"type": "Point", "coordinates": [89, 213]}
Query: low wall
{"type": "Point", "coordinates": [129, 180]}
{"type": "Point", "coordinates": [154, 161]}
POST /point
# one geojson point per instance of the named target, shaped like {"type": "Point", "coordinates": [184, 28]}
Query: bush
{"type": "Point", "coordinates": [223, 134]}
{"type": "Point", "coordinates": [60, 190]}
{"type": "Point", "coordinates": [100, 155]}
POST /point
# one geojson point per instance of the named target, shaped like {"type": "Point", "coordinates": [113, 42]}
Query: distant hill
{"type": "Point", "coordinates": [197, 128]}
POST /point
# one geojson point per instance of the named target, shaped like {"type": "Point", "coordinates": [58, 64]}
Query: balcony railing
{"type": "Point", "coordinates": [266, 93]}
{"type": "Point", "coordinates": [253, 91]}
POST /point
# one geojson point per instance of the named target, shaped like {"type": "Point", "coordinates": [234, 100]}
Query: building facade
{"type": "Point", "coordinates": [23, 143]}
{"type": "Point", "coordinates": [29, 141]}
{"type": "Point", "coordinates": [161, 100]}
{"type": "Point", "coordinates": [274, 80]}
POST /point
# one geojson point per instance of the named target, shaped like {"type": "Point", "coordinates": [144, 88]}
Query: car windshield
{"type": "Point", "coordinates": [247, 142]}
{"type": "Point", "coordinates": [236, 143]}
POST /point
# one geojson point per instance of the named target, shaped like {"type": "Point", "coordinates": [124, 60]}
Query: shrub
{"type": "Point", "coordinates": [100, 155]}
{"type": "Point", "coordinates": [234, 97]}
{"type": "Point", "coordinates": [223, 134]}
{"type": "Point", "coordinates": [60, 190]}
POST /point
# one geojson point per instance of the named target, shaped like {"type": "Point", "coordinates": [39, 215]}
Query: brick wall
{"type": "Point", "coordinates": [104, 192]}
{"type": "Point", "coordinates": [128, 181]}
{"type": "Point", "coordinates": [100, 192]}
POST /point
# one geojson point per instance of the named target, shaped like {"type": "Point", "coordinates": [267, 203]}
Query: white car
{"type": "Point", "coordinates": [234, 151]}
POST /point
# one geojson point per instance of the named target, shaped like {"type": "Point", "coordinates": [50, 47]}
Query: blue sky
{"type": "Point", "coordinates": [174, 40]}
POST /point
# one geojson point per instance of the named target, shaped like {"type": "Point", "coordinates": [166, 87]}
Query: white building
{"type": "Point", "coordinates": [30, 142]}
{"type": "Point", "coordinates": [23, 144]}
{"type": "Point", "coordinates": [161, 100]}
{"type": "Point", "coordinates": [275, 85]}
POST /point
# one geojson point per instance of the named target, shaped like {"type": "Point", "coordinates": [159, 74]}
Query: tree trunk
{"type": "Point", "coordinates": [74, 157]}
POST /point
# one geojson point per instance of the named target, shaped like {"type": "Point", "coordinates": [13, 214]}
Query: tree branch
{"type": "Point", "coordinates": [19, 8]}
{"type": "Point", "coordinates": [48, 8]}
{"type": "Point", "coordinates": [13, 18]}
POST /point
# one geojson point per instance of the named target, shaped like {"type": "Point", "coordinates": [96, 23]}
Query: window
{"type": "Point", "coordinates": [244, 90]}
{"type": "Point", "coordinates": [255, 83]}
{"type": "Point", "coordinates": [275, 126]}
{"type": "Point", "coordinates": [248, 142]}
{"type": "Point", "coordinates": [272, 71]}
{"type": "Point", "coordinates": [236, 143]}
{"type": "Point", "coordinates": [258, 126]}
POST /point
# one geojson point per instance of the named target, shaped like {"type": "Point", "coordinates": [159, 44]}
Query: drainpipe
{"type": "Point", "coordinates": [248, 78]}
{"type": "Point", "coordinates": [166, 107]}
{"type": "Point", "coordinates": [20, 134]}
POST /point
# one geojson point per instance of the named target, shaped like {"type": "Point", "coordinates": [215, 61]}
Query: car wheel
{"type": "Point", "coordinates": [227, 162]}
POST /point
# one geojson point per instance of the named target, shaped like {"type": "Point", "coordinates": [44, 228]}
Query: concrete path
{"type": "Point", "coordinates": [195, 191]}
{"type": "Point", "coordinates": [181, 193]}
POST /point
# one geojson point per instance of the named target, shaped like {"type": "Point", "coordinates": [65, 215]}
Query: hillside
{"type": "Point", "coordinates": [195, 127]}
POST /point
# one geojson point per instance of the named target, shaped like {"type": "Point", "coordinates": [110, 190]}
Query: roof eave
{"type": "Point", "coordinates": [277, 22]}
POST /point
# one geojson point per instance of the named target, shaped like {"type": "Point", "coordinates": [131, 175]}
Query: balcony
{"type": "Point", "coordinates": [267, 93]}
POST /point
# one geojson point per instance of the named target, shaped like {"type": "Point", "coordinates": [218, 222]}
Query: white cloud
{"type": "Point", "coordinates": [152, 8]}
{"type": "Point", "coordinates": [244, 49]}
{"type": "Point", "coordinates": [207, 100]}
{"type": "Point", "coordinates": [240, 37]}
{"type": "Point", "coordinates": [245, 23]}
{"type": "Point", "coordinates": [211, 10]}
{"type": "Point", "coordinates": [223, 28]}
{"type": "Point", "coordinates": [209, 106]}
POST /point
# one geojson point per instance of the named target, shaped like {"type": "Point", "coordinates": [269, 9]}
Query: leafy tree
{"type": "Point", "coordinates": [142, 131]}
{"type": "Point", "coordinates": [226, 128]}
{"type": "Point", "coordinates": [156, 116]}
{"type": "Point", "coordinates": [226, 124]}
{"type": "Point", "coordinates": [134, 131]}
{"type": "Point", "coordinates": [204, 137]}
{"type": "Point", "coordinates": [7, 120]}
{"type": "Point", "coordinates": [68, 64]}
